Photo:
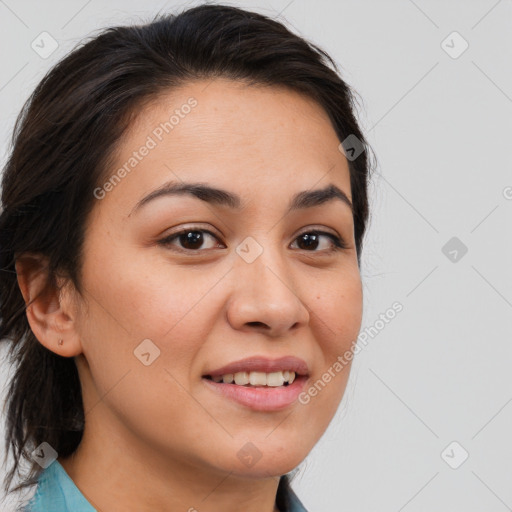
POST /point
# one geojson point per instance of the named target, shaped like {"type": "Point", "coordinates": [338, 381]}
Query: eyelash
{"type": "Point", "coordinates": [339, 243]}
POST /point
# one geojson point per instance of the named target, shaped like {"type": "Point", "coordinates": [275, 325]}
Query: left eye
{"type": "Point", "coordinates": [311, 238]}
{"type": "Point", "coordinates": [193, 239]}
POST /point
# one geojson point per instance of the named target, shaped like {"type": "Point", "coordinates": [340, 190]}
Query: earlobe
{"type": "Point", "coordinates": [48, 309]}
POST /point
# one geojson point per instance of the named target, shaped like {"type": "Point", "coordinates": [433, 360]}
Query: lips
{"type": "Point", "coordinates": [275, 396]}
{"type": "Point", "coordinates": [262, 364]}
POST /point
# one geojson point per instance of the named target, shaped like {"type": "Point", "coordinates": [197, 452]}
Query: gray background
{"type": "Point", "coordinates": [439, 372]}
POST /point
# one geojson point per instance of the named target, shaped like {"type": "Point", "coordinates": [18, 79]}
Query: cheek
{"type": "Point", "coordinates": [338, 316]}
{"type": "Point", "coordinates": [127, 303]}
{"type": "Point", "coordinates": [133, 297]}
{"type": "Point", "coordinates": [339, 308]}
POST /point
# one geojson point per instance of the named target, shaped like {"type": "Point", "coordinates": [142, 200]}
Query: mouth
{"type": "Point", "coordinates": [259, 383]}
{"type": "Point", "coordinates": [256, 379]}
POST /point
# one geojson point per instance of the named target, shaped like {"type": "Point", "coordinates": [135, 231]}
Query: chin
{"type": "Point", "coordinates": [263, 459]}
{"type": "Point", "coordinates": [265, 469]}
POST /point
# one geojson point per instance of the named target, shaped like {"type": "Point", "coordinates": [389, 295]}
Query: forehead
{"type": "Point", "coordinates": [241, 137]}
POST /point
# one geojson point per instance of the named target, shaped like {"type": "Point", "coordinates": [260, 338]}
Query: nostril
{"type": "Point", "coordinates": [256, 324]}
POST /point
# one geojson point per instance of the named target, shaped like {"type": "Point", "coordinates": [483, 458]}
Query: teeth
{"type": "Point", "coordinates": [242, 378]}
{"type": "Point", "coordinates": [272, 379]}
{"type": "Point", "coordinates": [275, 379]}
{"type": "Point", "coordinates": [257, 379]}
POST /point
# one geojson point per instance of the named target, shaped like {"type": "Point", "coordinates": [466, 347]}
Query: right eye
{"type": "Point", "coordinates": [191, 239]}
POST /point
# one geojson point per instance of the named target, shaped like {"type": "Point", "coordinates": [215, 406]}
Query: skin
{"type": "Point", "coordinates": [156, 437]}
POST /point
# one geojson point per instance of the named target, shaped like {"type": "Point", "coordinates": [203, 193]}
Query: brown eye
{"type": "Point", "coordinates": [310, 241]}
{"type": "Point", "coordinates": [189, 239]}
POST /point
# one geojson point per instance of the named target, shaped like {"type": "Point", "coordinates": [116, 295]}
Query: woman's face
{"type": "Point", "coordinates": [243, 281]}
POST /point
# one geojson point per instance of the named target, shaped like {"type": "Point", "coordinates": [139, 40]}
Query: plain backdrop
{"type": "Point", "coordinates": [426, 418]}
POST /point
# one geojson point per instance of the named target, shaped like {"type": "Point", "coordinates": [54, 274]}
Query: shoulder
{"type": "Point", "coordinates": [57, 492]}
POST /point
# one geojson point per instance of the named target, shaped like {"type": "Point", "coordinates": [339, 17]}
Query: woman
{"type": "Point", "coordinates": [183, 215]}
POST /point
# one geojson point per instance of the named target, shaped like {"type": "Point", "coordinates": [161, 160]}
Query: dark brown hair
{"type": "Point", "coordinates": [62, 146]}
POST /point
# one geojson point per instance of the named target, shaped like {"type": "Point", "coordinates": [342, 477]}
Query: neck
{"type": "Point", "coordinates": [122, 475]}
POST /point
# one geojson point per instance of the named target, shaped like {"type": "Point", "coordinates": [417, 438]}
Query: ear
{"type": "Point", "coordinates": [50, 309]}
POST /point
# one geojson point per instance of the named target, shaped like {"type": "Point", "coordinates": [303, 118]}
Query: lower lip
{"type": "Point", "coordinates": [261, 398]}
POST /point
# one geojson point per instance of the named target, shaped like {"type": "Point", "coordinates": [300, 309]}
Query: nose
{"type": "Point", "coordinates": [264, 297]}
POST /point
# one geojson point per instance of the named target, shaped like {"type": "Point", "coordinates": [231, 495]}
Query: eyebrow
{"type": "Point", "coordinates": [220, 197]}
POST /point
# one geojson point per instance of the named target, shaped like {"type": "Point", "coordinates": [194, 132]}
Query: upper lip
{"type": "Point", "coordinates": [263, 364]}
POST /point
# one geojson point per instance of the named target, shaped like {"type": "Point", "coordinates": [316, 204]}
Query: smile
{"type": "Point", "coordinates": [259, 398]}
{"type": "Point", "coordinates": [273, 379]}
